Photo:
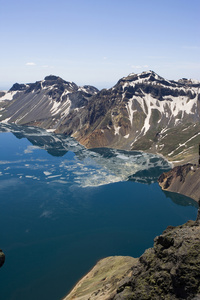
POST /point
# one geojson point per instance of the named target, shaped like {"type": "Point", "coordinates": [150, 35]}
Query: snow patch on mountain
{"type": "Point", "coordinates": [8, 96]}
{"type": "Point", "coordinates": [169, 107]}
{"type": "Point", "coordinates": [130, 110]}
{"type": "Point", "coordinates": [184, 144]}
{"type": "Point", "coordinates": [116, 128]}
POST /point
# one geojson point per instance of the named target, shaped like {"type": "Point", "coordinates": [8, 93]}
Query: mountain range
{"type": "Point", "coordinates": [140, 112]}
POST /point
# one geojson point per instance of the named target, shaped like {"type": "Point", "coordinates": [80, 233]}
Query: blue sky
{"type": "Point", "coordinates": [98, 42]}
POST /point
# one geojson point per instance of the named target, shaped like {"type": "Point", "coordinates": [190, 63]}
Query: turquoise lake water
{"type": "Point", "coordinates": [63, 207]}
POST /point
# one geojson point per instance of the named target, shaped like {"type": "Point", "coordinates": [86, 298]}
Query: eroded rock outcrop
{"type": "Point", "coordinates": [182, 179]}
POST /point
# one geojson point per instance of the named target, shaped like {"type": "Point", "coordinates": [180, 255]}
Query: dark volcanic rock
{"type": "Point", "coordinates": [2, 258]}
{"type": "Point", "coordinates": [18, 87]}
{"type": "Point", "coordinates": [52, 78]}
{"type": "Point", "coordinates": [2, 93]}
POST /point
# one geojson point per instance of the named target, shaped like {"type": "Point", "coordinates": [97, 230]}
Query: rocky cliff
{"type": "Point", "coordinates": [170, 270]}
{"type": "Point", "coordinates": [103, 280]}
{"type": "Point", "coordinates": [141, 112]}
{"type": "Point", "coordinates": [183, 179]}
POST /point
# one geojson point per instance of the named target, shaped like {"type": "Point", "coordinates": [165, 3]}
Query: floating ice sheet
{"type": "Point", "coordinates": [56, 158]}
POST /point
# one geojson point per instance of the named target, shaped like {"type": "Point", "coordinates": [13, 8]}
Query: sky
{"type": "Point", "coordinates": [97, 42]}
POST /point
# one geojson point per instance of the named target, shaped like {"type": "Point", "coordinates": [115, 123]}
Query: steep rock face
{"type": "Point", "coordinates": [170, 270]}
{"type": "Point", "coordinates": [141, 112]}
{"type": "Point", "coordinates": [182, 179]}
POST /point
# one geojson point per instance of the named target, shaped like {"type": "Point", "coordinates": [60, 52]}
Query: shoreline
{"type": "Point", "coordinates": [184, 179]}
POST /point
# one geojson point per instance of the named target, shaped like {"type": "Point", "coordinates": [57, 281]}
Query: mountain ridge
{"type": "Point", "coordinates": [140, 112]}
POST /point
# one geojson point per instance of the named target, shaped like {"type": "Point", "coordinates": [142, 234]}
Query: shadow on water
{"type": "Point", "coordinates": [151, 175]}
{"type": "Point", "coordinates": [55, 145]}
{"type": "Point", "coordinates": [148, 176]}
{"type": "Point", "coordinates": [181, 199]}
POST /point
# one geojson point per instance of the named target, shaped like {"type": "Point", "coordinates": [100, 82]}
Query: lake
{"type": "Point", "coordinates": [63, 207]}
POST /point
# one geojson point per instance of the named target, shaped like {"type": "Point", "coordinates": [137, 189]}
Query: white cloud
{"type": "Point", "coordinates": [30, 64]}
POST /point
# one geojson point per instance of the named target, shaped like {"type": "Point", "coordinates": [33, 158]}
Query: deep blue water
{"type": "Point", "coordinates": [63, 207]}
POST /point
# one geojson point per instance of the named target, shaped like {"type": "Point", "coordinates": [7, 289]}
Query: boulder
{"type": "Point", "coordinates": [2, 258]}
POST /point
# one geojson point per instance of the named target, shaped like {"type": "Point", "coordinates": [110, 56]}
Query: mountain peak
{"type": "Point", "coordinates": [146, 76]}
{"type": "Point", "coordinates": [149, 72]}
{"type": "Point", "coordinates": [17, 87]}
{"type": "Point", "coordinates": [52, 78]}
{"type": "Point", "coordinates": [59, 83]}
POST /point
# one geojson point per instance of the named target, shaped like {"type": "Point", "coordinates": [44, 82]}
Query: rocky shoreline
{"type": "Point", "coordinates": [183, 179]}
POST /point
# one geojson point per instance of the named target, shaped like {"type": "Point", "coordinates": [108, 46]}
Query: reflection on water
{"type": "Point", "coordinates": [181, 199]}
{"type": "Point", "coordinates": [64, 207]}
{"type": "Point", "coordinates": [85, 167]}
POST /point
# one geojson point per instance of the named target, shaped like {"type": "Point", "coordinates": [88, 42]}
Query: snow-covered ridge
{"type": "Point", "coordinates": [148, 93]}
{"type": "Point", "coordinates": [151, 78]}
{"type": "Point", "coordinates": [50, 83]}
{"type": "Point", "coordinates": [170, 106]}
{"type": "Point", "coordinates": [138, 106]}
{"type": "Point", "coordinates": [43, 99]}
